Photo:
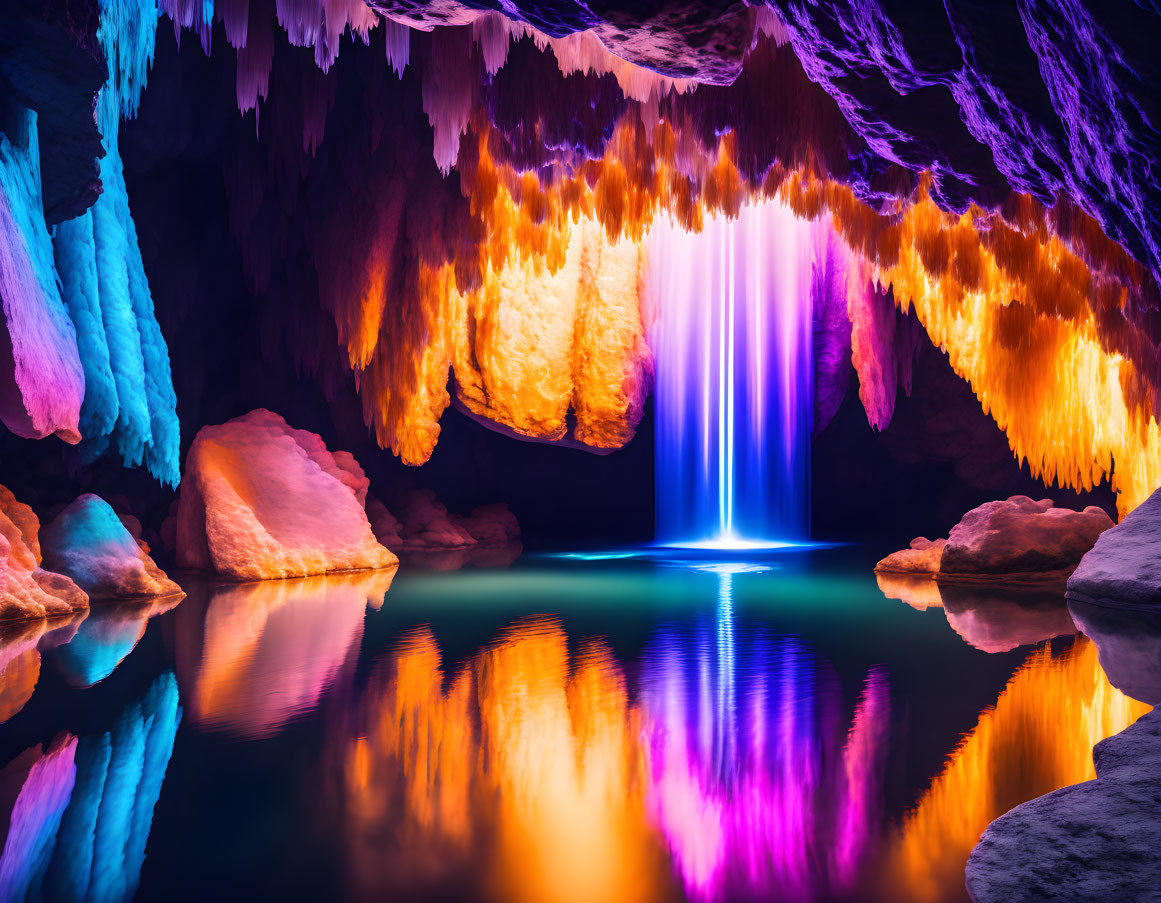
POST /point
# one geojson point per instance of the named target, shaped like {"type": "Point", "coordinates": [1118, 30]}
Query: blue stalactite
{"type": "Point", "coordinates": [131, 402]}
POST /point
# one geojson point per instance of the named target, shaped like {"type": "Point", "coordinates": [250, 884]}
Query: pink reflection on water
{"type": "Point", "coordinates": [864, 759]}
{"type": "Point", "coordinates": [254, 656]}
{"type": "Point", "coordinates": [751, 781]}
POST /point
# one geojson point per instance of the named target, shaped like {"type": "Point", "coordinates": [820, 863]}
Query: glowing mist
{"type": "Point", "coordinates": [733, 396]}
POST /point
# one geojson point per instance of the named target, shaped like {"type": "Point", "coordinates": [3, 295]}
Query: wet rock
{"type": "Point", "coordinates": [1092, 841]}
{"type": "Point", "coordinates": [89, 543]}
{"type": "Point", "coordinates": [1123, 570]}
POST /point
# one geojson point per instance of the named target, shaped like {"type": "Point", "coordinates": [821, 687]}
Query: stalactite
{"type": "Point", "coordinates": [40, 367]}
{"type": "Point", "coordinates": [1036, 308]}
{"type": "Point", "coordinates": [130, 403]}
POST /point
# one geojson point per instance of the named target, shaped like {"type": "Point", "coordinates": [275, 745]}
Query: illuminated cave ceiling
{"type": "Point", "coordinates": [478, 197]}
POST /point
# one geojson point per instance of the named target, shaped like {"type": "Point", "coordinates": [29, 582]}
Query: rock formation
{"type": "Point", "coordinates": [1123, 570]}
{"type": "Point", "coordinates": [262, 500]}
{"type": "Point", "coordinates": [26, 589]}
{"type": "Point", "coordinates": [490, 524]}
{"type": "Point", "coordinates": [1021, 536]}
{"type": "Point", "coordinates": [427, 525]}
{"type": "Point", "coordinates": [388, 529]}
{"type": "Point", "coordinates": [1092, 841]}
{"type": "Point", "coordinates": [1097, 840]}
{"type": "Point", "coordinates": [88, 542]}
{"type": "Point", "coordinates": [1016, 538]}
{"type": "Point", "coordinates": [922, 558]}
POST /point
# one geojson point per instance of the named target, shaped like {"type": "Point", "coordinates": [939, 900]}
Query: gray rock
{"type": "Point", "coordinates": [1096, 841]}
{"type": "Point", "coordinates": [1123, 570]}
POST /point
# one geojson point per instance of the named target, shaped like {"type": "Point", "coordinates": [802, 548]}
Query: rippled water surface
{"type": "Point", "coordinates": [560, 730]}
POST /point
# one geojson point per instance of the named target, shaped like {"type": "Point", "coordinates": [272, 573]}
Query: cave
{"type": "Point", "coordinates": [547, 451]}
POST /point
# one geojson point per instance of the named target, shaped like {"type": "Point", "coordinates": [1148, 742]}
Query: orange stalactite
{"type": "Point", "coordinates": [1020, 316]}
{"type": "Point", "coordinates": [1037, 738]}
{"type": "Point", "coordinates": [538, 317]}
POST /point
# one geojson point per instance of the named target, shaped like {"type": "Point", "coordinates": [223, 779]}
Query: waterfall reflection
{"type": "Point", "coordinates": [535, 769]}
{"type": "Point", "coordinates": [753, 784]}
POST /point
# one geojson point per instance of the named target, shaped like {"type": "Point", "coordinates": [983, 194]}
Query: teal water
{"type": "Point", "coordinates": [617, 728]}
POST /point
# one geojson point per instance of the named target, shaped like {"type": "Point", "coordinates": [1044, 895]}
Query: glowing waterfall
{"type": "Point", "coordinates": [732, 346]}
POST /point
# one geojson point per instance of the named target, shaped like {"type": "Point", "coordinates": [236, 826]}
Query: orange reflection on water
{"type": "Point", "coordinates": [21, 644]}
{"type": "Point", "coordinates": [1037, 738]}
{"type": "Point", "coordinates": [526, 763]}
{"type": "Point", "coordinates": [19, 671]}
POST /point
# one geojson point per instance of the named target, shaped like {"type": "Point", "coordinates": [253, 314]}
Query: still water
{"type": "Point", "coordinates": [558, 730]}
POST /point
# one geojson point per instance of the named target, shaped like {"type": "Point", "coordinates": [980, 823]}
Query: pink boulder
{"type": "Point", "coordinates": [1021, 536]}
{"type": "Point", "coordinates": [262, 500]}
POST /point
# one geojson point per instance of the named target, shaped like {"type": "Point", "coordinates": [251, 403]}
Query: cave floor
{"type": "Point", "coordinates": [595, 728]}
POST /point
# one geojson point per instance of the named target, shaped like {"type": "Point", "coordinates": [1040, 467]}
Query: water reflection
{"type": "Point", "coordinates": [1037, 738]}
{"type": "Point", "coordinates": [41, 782]}
{"type": "Point", "coordinates": [21, 645]}
{"type": "Point", "coordinates": [1129, 642]}
{"type": "Point", "coordinates": [524, 767]}
{"type": "Point", "coordinates": [82, 812]}
{"type": "Point", "coordinates": [752, 782]}
{"type": "Point", "coordinates": [535, 769]}
{"type": "Point", "coordinates": [105, 638]}
{"type": "Point", "coordinates": [253, 656]}
{"type": "Point", "coordinates": [725, 761]}
{"type": "Point", "coordinates": [993, 617]}
{"type": "Point", "coordinates": [483, 555]}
